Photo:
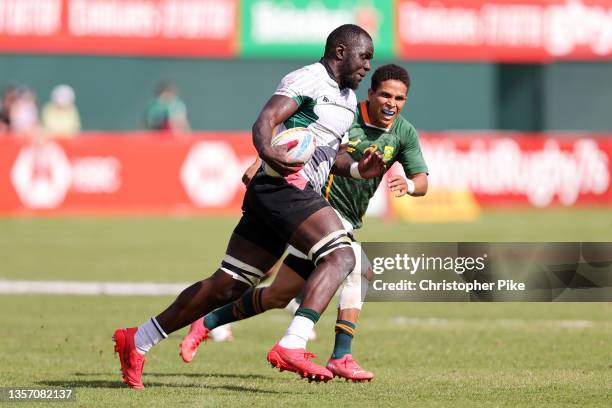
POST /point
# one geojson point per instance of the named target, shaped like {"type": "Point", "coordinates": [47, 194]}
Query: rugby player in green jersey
{"type": "Point", "coordinates": [378, 126]}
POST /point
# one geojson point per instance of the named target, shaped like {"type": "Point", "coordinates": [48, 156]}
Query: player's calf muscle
{"type": "Point", "coordinates": [223, 289]}
{"type": "Point", "coordinates": [199, 299]}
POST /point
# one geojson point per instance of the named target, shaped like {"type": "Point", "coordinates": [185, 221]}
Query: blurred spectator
{"type": "Point", "coordinates": [60, 116]}
{"type": "Point", "coordinates": [167, 111]}
{"type": "Point", "coordinates": [23, 113]}
{"type": "Point", "coordinates": [8, 98]}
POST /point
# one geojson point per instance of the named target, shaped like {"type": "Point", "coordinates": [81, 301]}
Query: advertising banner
{"type": "Point", "coordinates": [124, 174]}
{"type": "Point", "coordinates": [447, 30]}
{"type": "Point", "coordinates": [504, 30]}
{"type": "Point", "coordinates": [195, 28]}
{"type": "Point", "coordinates": [535, 169]}
{"type": "Point", "coordinates": [298, 28]}
{"type": "Point", "coordinates": [144, 173]}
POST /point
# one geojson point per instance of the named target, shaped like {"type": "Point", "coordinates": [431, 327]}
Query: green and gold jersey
{"type": "Point", "coordinates": [398, 143]}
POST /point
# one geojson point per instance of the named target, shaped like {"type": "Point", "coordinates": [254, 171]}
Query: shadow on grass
{"type": "Point", "coordinates": [204, 375]}
{"type": "Point", "coordinates": [189, 375]}
{"type": "Point", "coordinates": [118, 384]}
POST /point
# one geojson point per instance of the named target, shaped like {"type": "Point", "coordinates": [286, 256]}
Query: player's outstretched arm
{"type": "Point", "coordinates": [371, 165]}
{"type": "Point", "coordinates": [414, 184]}
{"type": "Point", "coordinates": [278, 109]}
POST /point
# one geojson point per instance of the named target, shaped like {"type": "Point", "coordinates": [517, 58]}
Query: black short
{"type": "Point", "coordinates": [272, 210]}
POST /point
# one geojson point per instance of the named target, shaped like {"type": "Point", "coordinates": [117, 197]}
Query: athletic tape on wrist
{"type": "Point", "coordinates": [409, 185]}
{"type": "Point", "coordinates": [355, 171]}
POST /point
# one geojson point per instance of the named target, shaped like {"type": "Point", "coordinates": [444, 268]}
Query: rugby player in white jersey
{"type": "Point", "coordinates": [379, 126]}
{"type": "Point", "coordinates": [282, 210]}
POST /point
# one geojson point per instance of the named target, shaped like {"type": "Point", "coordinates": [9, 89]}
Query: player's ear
{"type": "Point", "coordinates": [340, 51]}
{"type": "Point", "coordinates": [370, 93]}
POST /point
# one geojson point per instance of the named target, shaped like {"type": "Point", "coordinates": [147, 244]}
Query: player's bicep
{"type": "Point", "coordinates": [278, 109]}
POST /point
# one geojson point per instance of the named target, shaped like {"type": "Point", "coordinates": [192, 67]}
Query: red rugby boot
{"type": "Point", "coordinates": [298, 361]}
{"type": "Point", "coordinates": [348, 368]}
{"type": "Point", "coordinates": [189, 346]}
{"type": "Point", "coordinates": [132, 362]}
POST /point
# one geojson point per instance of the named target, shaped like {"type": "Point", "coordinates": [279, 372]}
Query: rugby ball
{"type": "Point", "coordinates": [303, 151]}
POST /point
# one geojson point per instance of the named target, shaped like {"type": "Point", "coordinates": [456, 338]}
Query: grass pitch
{"type": "Point", "coordinates": [423, 354]}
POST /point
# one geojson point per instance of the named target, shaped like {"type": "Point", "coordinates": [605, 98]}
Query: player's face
{"type": "Point", "coordinates": [356, 62]}
{"type": "Point", "coordinates": [385, 103]}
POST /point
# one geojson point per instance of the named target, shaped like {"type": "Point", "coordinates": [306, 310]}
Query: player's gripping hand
{"type": "Point", "coordinates": [398, 185]}
{"type": "Point", "coordinates": [278, 158]}
{"type": "Point", "coordinates": [371, 165]}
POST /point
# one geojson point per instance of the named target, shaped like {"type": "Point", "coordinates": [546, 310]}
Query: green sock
{"type": "Point", "coordinates": [308, 313]}
{"type": "Point", "coordinates": [249, 304]}
{"type": "Point", "coordinates": [344, 338]}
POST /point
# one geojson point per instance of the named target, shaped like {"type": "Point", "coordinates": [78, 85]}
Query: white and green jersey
{"type": "Point", "coordinates": [326, 110]}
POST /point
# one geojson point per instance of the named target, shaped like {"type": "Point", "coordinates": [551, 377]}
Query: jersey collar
{"type": "Point", "coordinates": [331, 78]}
{"type": "Point", "coordinates": [363, 107]}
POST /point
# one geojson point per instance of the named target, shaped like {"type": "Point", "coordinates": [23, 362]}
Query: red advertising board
{"type": "Point", "coordinates": [539, 170]}
{"type": "Point", "coordinates": [453, 30]}
{"type": "Point", "coordinates": [504, 30]}
{"type": "Point", "coordinates": [120, 27]}
{"type": "Point", "coordinates": [143, 173]}
{"type": "Point", "coordinates": [131, 174]}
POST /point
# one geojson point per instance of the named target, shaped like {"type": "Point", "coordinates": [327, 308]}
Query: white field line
{"type": "Point", "coordinates": [508, 323]}
{"type": "Point", "coordinates": [13, 287]}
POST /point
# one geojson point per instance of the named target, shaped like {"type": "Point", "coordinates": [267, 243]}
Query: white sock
{"type": "Point", "coordinates": [296, 335]}
{"type": "Point", "coordinates": [149, 334]}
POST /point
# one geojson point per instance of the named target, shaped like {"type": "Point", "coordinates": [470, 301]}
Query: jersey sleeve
{"type": "Point", "coordinates": [297, 85]}
{"type": "Point", "coordinates": [410, 155]}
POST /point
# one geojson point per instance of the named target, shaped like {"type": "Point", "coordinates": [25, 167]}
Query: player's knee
{"type": "Point", "coordinates": [341, 259]}
{"type": "Point", "coordinates": [225, 289]}
{"type": "Point", "coordinates": [347, 260]}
